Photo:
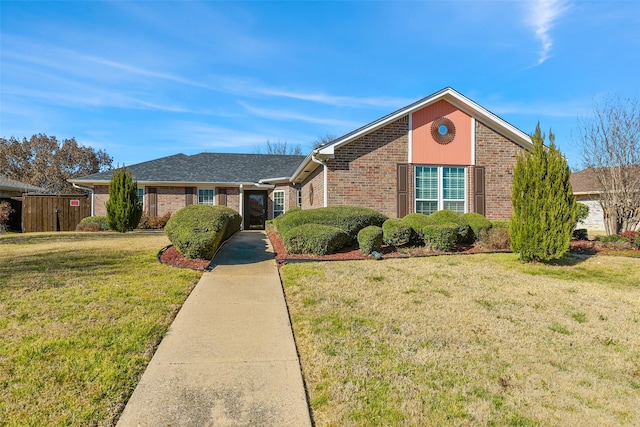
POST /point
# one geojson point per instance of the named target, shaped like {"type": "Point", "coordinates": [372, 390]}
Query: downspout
{"type": "Point", "coordinates": [89, 190]}
{"type": "Point", "coordinates": [320, 162]}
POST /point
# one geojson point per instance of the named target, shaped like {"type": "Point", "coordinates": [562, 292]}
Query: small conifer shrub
{"type": "Point", "coordinates": [123, 207]}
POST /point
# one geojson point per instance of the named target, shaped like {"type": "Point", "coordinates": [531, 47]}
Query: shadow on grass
{"type": "Point", "coordinates": [53, 269]}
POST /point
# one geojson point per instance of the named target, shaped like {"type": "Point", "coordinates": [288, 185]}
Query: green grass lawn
{"type": "Point", "coordinates": [80, 317]}
{"type": "Point", "coordinates": [469, 340]}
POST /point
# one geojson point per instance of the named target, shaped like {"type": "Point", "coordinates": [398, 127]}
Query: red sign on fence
{"type": "Point", "coordinates": [74, 202]}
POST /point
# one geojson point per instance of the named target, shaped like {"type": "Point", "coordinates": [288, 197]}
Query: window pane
{"type": "Point", "coordinates": [140, 195]}
{"type": "Point", "coordinates": [454, 206]}
{"type": "Point", "coordinates": [453, 183]}
{"type": "Point", "coordinates": [206, 197]}
{"type": "Point", "coordinates": [426, 183]}
{"type": "Point", "coordinates": [426, 207]}
{"type": "Point", "coordinates": [278, 203]}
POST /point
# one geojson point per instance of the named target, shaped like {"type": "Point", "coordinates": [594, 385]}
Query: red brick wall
{"type": "Point", "coordinates": [364, 171]}
{"type": "Point", "coordinates": [169, 199]}
{"type": "Point", "coordinates": [315, 180]}
{"type": "Point", "coordinates": [498, 155]}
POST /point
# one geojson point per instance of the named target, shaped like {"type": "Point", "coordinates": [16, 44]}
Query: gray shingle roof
{"type": "Point", "coordinates": [13, 185]}
{"type": "Point", "coordinates": [208, 167]}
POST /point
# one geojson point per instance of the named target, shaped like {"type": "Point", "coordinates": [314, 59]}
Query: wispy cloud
{"type": "Point", "coordinates": [338, 101]}
{"type": "Point", "coordinates": [542, 18]}
{"type": "Point", "coordinates": [289, 115]}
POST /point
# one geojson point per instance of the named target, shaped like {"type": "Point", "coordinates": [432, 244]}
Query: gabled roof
{"type": "Point", "coordinates": [206, 168]}
{"type": "Point", "coordinates": [447, 94]}
{"type": "Point", "coordinates": [585, 182]}
{"type": "Point", "coordinates": [17, 186]}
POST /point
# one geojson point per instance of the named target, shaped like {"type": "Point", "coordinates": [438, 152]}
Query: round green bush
{"type": "Point", "coordinates": [347, 218]}
{"type": "Point", "coordinates": [417, 221]}
{"type": "Point", "coordinates": [198, 230]}
{"type": "Point", "coordinates": [396, 232]}
{"type": "Point", "coordinates": [314, 239]}
{"type": "Point", "coordinates": [441, 237]}
{"type": "Point", "coordinates": [450, 217]}
{"type": "Point", "coordinates": [478, 223]}
{"type": "Point", "coordinates": [370, 239]}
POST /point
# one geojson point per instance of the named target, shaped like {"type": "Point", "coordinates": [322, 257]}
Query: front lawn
{"type": "Point", "coordinates": [80, 317]}
{"type": "Point", "coordinates": [469, 340]}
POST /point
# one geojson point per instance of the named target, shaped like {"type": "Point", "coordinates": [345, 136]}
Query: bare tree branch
{"type": "Point", "coordinates": [610, 142]}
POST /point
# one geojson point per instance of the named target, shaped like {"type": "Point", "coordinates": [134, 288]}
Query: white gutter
{"type": "Point", "coordinates": [92, 195]}
{"type": "Point", "coordinates": [320, 162]}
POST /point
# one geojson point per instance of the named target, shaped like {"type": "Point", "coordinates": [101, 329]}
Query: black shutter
{"type": "Point", "coordinates": [478, 190]}
{"type": "Point", "coordinates": [403, 189]}
{"type": "Point", "coordinates": [153, 201]}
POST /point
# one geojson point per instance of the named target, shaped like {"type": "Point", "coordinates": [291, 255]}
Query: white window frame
{"type": "Point", "coordinates": [141, 199]}
{"type": "Point", "coordinates": [273, 204]}
{"type": "Point", "coordinates": [213, 197]}
{"type": "Point", "coordinates": [441, 200]}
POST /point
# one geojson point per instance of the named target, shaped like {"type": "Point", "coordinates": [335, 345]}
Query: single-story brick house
{"type": "Point", "coordinates": [441, 152]}
{"type": "Point", "coordinates": [587, 189]}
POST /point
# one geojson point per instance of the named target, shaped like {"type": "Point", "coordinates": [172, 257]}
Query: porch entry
{"type": "Point", "coordinates": [254, 209]}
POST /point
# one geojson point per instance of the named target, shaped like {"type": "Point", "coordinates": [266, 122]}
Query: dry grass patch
{"type": "Point", "coordinates": [469, 340]}
{"type": "Point", "coordinates": [80, 317]}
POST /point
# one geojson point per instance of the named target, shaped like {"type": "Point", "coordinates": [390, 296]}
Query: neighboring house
{"type": "Point", "coordinates": [587, 189]}
{"type": "Point", "coordinates": [442, 152]}
{"type": "Point", "coordinates": [12, 191]}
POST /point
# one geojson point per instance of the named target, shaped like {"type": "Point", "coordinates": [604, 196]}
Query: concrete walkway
{"type": "Point", "coordinates": [229, 358]}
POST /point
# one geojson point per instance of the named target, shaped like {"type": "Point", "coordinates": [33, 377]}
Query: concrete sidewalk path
{"type": "Point", "coordinates": [229, 358]}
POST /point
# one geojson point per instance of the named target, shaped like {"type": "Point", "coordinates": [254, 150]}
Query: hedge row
{"type": "Point", "coordinates": [321, 224]}
{"type": "Point", "coordinates": [197, 231]}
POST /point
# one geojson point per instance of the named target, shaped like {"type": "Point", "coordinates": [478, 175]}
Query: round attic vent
{"type": "Point", "coordinates": [443, 130]}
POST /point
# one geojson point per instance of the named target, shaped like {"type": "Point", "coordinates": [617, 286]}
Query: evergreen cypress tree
{"type": "Point", "coordinates": [544, 208]}
{"type": "Point", "coordinates": [123, 208]}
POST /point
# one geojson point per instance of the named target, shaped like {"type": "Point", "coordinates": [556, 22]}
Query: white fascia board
{"type": "Point", "coordinates": [281, 180]}
{"type": "Point", "coordinates": [454, 98]}
{"type": "Point", "coordinates": [307, 163]}
{"type": "Point", "coordinates": [169, 183]}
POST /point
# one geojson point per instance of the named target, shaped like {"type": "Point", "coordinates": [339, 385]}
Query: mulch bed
{"type": "Point", "coordinates": [354, 253]}
{"type": "Point", "coordinates": [171, 256]}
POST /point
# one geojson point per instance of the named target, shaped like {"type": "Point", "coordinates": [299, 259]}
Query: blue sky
{"type": "Point", "coordinates": [147, 79]}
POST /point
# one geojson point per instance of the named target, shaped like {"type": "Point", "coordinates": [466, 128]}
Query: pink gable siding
{"type": "Point", "coordinates": [425, 150]}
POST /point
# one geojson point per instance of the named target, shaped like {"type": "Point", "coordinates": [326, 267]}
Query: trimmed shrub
{"type": "Point", "coordinates": [90, 223]}
{"type": "Point", "coordinates": [441, 237]}
{"type": "Point", "coordinates": [198, 230]}
{"type": "Point", "coordinates": [314, 239]}
{"type": "Point", "coordinates": [477, 223]}
{"type": "Point", "coordinates": [347, 218]}
{"type": "Point", "coordinates": [450, 217]}
{"type": "Point", "coordinates": [636, 244]}
{"type": "Point", "coordinates": [580, 234]}
{"type": "Point", "coordinates": [370, 239]}
{"type": "Point", "coordinates": [417, 222]}
{"type": "Point", "coordinates": [396, 232]}
{"type": "Point", "coordinates": [630, 236]}
{"type": "Point", "coordinates": [495, 238]}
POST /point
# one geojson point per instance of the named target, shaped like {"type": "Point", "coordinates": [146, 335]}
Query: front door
{"type": "Point", "coordinates": [255, 210]}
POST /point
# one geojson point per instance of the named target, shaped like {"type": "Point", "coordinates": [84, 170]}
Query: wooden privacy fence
{"type": "Point", "coordinates": [60, 212]}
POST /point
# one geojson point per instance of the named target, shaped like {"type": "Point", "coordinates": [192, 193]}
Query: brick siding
{"type": "Point", "coordinates": [316, 181]}
{"type": "Point", "coordinates": [498, 155]}
{"type": "Point", "coordinates": [364, 171]}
